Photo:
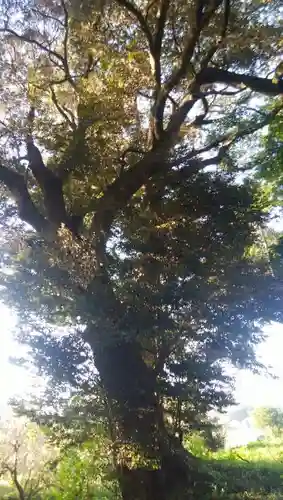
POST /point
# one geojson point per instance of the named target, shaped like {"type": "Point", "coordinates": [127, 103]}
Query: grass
{"type": "Point", "coordinates": [252, 472]}
{"type": "Point", "coordinates": [6, 491]}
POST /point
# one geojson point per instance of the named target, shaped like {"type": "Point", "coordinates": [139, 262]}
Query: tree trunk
{"type": "Point", "coordinates": [151, 464]}
{"type": "Point", "coordinates": [20, 489]}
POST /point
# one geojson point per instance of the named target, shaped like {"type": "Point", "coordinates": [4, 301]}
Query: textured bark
{"type": "Point", "coordinates": [169, 470]}
{"type": "Point", "coordinates": [28, 212]}
{"type": "Point", "coordinates": [20, 489]}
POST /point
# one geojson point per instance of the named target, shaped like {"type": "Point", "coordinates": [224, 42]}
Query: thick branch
{"type": "Point", "coordinates": [119, 193]}
{"type": "Point", "coordinates": [50, 185]}
{"type": "Point", "coordinates": [155, 53]}
{"type": "Point", "coordinates": [200, 22]}
{"type": "Point", "coordinates": [202, 19]}
{"type": "Point", "coordinates": [189, 164]}
{"type": "Point", "coordinates": [213, 49]}
{"type": "Point", "coordinates": [160, 24]}
{"type": "Point", "coordinates": [65, 44]}
{"type": "Point", "coordinates": [213, 75]}
{"type": "Point", "coordinates": [181, 112]}
{"type": "Point", "coordinates": [201, 119]}
{"type": "Point", "coordinates": [255, 83]}
{"type": "Point", "coordinates": [28, 212]}
{"type": "Point", "coordinates": [158, 38]}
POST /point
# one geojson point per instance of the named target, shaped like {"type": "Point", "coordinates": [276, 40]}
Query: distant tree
{"type": "Point", "coordinates": [25, 457]}
{"type": "Point", "coordinates": [270, 419]}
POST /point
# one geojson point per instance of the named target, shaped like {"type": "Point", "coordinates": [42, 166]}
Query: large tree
{"type": "Point", "coordinates": [111, 114]}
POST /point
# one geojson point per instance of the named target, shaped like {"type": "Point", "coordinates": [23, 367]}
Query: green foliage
{"type": "Point", "coordinates": [196, 444]}
{"type": "Point", "coordinates": [270, 419]}
{"type": "Point", "coordinates": [164, 279]}
{"type": "Point", "coordinates": [269, 162]}
{"type": "Point", "coordinates": [252, 472]}
{"type": "Point", "coordinates": [81, 474]}
{"type": "Point", "coordinates": [7, 492]}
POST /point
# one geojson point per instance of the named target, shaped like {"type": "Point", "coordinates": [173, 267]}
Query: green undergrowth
{"type": "Point", "coordinates": [252, 472]}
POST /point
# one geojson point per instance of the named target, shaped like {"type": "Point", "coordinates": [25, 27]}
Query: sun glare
{"type": "Point", "coordinates": [14, 380]}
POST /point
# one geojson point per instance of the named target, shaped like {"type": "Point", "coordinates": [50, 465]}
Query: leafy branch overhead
{"type": "Point", "coordinates": [66, 73]}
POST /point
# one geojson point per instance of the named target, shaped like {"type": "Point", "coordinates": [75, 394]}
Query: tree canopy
{"type": "Point", "coordinates": [128, 236]}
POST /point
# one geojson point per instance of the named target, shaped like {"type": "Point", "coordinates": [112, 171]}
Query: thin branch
{"type": "Point", "coordinates": [202, 19]}
{"type": "Point", "coordinates": [226, 141]}
{"type": "Point", "coordinates": [176, 43]}
{"type": "Point", "coordinates": [65, 44]}
{"type": "Point", "coordinates": [253, 128]}
{"type": "Point", "coordinates": [60, 81]}
{"type": "Point", "coordinates": [144, 94]}
{"type": "Point", "coordinates": [61, 109]}
{"type": "Point", "coordinates": [213, 49]}
{"type": "Point", "coordinates": [46, 16]}
{"type": "Point", "coordinates": [224, 92]}
{"type": "Point", "coordinates": [9, 130]}
{"type": "Point", "coordinates": [90, 65]}
{"type": "Point", "coordinates": [242, 458]}
{"type": "Point", "coordinates": [35, 42]}
{"type": "Point", "coordinates": [149, 7]}
{"type": "Point", "coordinates": [258, 111]}
{"type": "Point", "coordinates": [173, 102]}
{"type": "Point", "coordinates": [130, 7]}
